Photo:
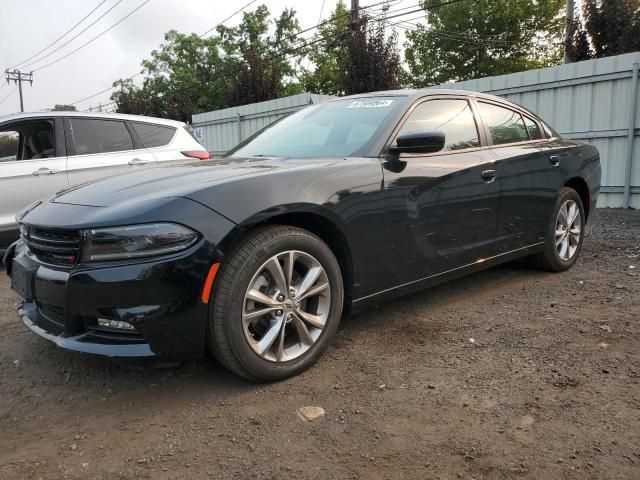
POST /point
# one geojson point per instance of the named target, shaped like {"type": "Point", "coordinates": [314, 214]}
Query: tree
{"type": "Point", "coordinates": [64, 108]}
{"type": "Point", "coordinates": [185, 75]}
{"type": "Point", "coordinates": [373, 61]}
{"type": "Point", "coordinates": [258, 60]}
{"type": "Point", "coordinates": [237, 65]}
{"type": "Point", "coordinates": [474, 39]}
{"type": "Point", "coordinates": [607, 27]}
{"type": "Point", "coordinates": [329, 56]}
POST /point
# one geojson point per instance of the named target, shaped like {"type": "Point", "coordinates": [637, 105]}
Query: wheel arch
{"type": "Point", "coordinates": [580, 186]}
{"type": "Point", "coordinates": [315, 219]}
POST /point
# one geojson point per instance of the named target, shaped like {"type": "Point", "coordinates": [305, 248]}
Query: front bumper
{"type": "Point", "coordinates": [160, 298]}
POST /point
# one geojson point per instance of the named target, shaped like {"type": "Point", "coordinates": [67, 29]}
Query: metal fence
{"type": "Point", "coordinates": [595, 101]}
{"type": "Point", "coordinates": [221, 130]}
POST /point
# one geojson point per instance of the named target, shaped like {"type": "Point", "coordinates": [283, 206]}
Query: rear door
{"type": "Point", "coordinates": [32, 164]}
{"type": "Point", "coordinates": [530, 176]}
{"type": "Point", "coordinates": [102, 147]}
{"type": "Point", "coordinates": [444, 205]}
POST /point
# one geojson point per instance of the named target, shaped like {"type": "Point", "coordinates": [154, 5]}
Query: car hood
{"type": "Point", "coordinates": [184, 180]}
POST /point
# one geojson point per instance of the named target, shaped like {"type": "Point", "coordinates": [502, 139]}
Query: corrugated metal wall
{"type": "Point", "coordinates": [591, 101]}
{"type": "Point", "coordinates": [221, 130]}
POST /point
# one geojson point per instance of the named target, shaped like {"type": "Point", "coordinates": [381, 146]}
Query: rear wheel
{"type": "Point", "coordinates": [276, 303]}
{"type": "Point", "coordinates": [565, 233]}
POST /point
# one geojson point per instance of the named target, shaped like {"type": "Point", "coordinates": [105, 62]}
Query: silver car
{"type": "Point", "coordinates": [41, 153]}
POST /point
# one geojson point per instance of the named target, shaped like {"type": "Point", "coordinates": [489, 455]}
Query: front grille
{"type": "Point", "coordinates": [52, 246]}
{"type": "Point", "coordinates": [51, 312]}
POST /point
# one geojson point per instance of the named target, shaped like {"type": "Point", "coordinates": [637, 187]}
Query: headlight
{"type": "Point", "coordinates": [135, 241]}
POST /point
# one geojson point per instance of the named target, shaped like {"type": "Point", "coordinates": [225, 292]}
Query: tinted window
{"type": "Point", "coordinates": [452, 117]}
{"type": "Point", "coordinates": [152, 135]}
{"type": "Point", "coordinates": [336, 128]}
{"type": "Point", "coordinates": [9, 146]}
{"type": "Point", "coordinates": [505, 126]}
{"type": "Point", "coordinates": [100, 136]}
{"type": "Point", "coordinates": [28, 140]}
{"type": "Point", "coordinates": [533, 129]}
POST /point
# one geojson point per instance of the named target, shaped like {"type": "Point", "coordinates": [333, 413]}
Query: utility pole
{"type": "Point", "coordinates": [355, 15]}
{"type": "Point", "coordinates": [18, 77]}
{"type": "Point", "coordinates": [568, 28]}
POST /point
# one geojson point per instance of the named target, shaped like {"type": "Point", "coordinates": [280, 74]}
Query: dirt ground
{"type": "Point", "coordinates": [549, 390]}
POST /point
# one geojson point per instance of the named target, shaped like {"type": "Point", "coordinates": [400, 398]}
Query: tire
{"type": "Point", "coordinates": [239, 332]}
{"type": "Point", "coordinates": [554, 258]}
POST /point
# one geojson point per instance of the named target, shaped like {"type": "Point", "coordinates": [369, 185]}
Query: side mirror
{"type": "Point", "coordinates": [423, 141]}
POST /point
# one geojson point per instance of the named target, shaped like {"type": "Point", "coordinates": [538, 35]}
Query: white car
{"type": "Point", "coordinates": [41, 153]}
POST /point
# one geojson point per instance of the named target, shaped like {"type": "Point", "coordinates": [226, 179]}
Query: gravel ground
{"type": "Point", "coordinates": [549, 389]}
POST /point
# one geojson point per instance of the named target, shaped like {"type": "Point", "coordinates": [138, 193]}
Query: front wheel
{"type": "Point", "coordinates": [565, 233]}
{"type": "Point", "coordinates": [276, 303]}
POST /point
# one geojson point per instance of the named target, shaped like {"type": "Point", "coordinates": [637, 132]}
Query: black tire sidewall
{"type": "Point", "coordinates": [233, 330]}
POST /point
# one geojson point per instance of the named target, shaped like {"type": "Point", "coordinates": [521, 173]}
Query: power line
{"type": "Point", "coordinates": [228, 18]}
{"type": "Point", "coordinates": [75, 36]}
{"type": "Point", "coordinates": [60, 37]}
{"type": "Point", "coordinates": [96, 37]}
{"type": "Point", "coordinates": [8, 95]}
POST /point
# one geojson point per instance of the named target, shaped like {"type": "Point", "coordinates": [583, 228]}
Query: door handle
{"type": "Point", "coordinates": [45, 171]}
{"type": "Point", "coordinates": [555, 160]}
{"type": "Point", "coordinates": [137, 161]}
{"type": "Point", "coordinates": [488, 175]}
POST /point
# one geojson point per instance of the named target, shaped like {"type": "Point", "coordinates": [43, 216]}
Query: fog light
{"type": "Point", "coordinates": [105, 322]}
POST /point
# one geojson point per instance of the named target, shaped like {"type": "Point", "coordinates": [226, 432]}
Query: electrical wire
{"type": "Point", "coordinates": [228, 18]}
{"type": "Point", "coordinates": [60, 37]}
{"type": "Point", "coordinates": [75, 36]}
{"type": "Point", "coordinates": [8, 95]}
{"type": "Point", "coordinates": [96, 37]}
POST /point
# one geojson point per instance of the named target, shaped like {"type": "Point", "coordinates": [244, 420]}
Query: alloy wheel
{"type": "Point", "coordinates": [568, 230]}
{"type": "Point", "coordinates": [286, 306]}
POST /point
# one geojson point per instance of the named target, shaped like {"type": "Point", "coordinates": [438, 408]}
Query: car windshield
{"type": "Point", "coordinates": [335, 128]}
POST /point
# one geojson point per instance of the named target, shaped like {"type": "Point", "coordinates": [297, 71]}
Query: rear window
{"type": "Point", "coordinates": [532, 128]}
{"type": "Point", "coordinates": [152, 135]}
{"type": "Point", "coordinates": [100, 136]}
{"type": "Point", "coordinates": [505, 125]}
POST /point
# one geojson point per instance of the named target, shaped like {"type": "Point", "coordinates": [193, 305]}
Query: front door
{"type": "Point", "coordinates": [444, 205]}
{"type": "Point", "coordinates": [102, 148]}
{"type": "Point", "coordinates": [32, 165]}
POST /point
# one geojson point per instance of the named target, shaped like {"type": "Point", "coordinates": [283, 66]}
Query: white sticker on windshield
{"type": "Point", "coordinates": [371, 103]}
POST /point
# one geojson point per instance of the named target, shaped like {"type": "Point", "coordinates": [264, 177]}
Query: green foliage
{"type": "Point", "coordinates": [329, 56]}
{"type": "Point", "coordinates": [610, 27]}
{"type": "Point", "coordinates": [64, 108]}
{"type": "Point", "coordinates": [259, 60]}
{"type": "Point", "coordinates": [474, 39]}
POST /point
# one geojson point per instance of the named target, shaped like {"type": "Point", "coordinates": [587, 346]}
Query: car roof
{"type": "Point", "coordinates": [114, 116]}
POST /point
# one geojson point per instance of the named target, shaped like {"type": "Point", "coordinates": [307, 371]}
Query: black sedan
{"type": "Point", "coordinates": [255, 257]}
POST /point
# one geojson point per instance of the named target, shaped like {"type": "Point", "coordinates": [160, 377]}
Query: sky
{"type": "Point", "coordinates": [27, 26]}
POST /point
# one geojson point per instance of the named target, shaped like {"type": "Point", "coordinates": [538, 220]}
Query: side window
{"type": "Point", "coordinates": [152, 135]}
{"type": "Point", "coordinates": [505, 126]}
{"type": "Point", "coordinates": [9, 143]}
{"type": "Point", "coordinates": [533, 129]}
{"type": "Point", "coordinates": [100, 136]}
{"type": "Point", "coordinates": [27, 141]}
{"type": "Point", "coordinates": [452, 117]}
